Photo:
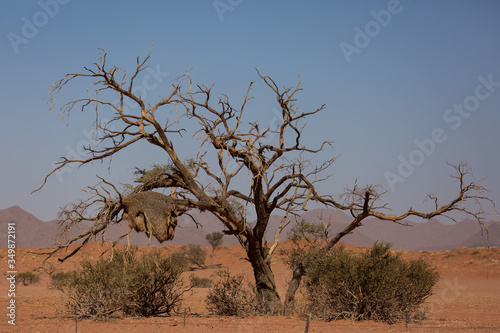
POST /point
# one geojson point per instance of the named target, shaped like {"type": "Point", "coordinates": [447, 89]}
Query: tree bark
{"type": "Point", "coordinates": [293, 286]}
{"type": "Point", "coordinates": [264, 276]}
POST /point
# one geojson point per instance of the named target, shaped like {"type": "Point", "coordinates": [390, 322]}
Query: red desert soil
{"type": "Point", "coordinates": [467, 298]}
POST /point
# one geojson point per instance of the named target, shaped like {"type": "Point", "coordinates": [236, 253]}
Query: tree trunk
{"type": "Point", "coordinates": [268, 297]}
{"type": "Point", "coordinates": [293, 286]}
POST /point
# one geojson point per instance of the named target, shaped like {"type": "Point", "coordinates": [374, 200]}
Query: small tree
{"type": "Point", "coordinates": [215, 240]}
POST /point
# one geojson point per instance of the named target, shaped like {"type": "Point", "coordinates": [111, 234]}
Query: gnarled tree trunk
{"type": "Point", "coordinates": [263, 274]}
{"type": "Point", "coordinates": [293, 286]}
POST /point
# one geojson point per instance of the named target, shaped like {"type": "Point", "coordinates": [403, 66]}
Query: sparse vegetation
{"type": "Point", "coordinates": [448, 254]}
{"type": "Point", "coordinates": [126, 284]}
{"type": "Point", "coordinates": [476, 253]}
{"type": "Point", "coordinates": [375, 285]}
{"type": "Point", "coordinates": [27, 278]}
{"type": "Point", "coordinates": [199, 282]}
{"type": "Point", "coordinates": [215, 240]}
{"type": "Point", "coordinates": [228, 297]}
{"type": "Point", "coordinates": [191, 255]}
{"type": "Point", "coordinates": [60, 279]}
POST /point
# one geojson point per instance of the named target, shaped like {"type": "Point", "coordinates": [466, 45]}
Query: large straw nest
{"type": "Point", "coordinates": [152, 213]}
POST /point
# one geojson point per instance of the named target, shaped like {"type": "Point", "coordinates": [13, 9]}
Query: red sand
{"type": "Point", "coordinates": [467, 299]}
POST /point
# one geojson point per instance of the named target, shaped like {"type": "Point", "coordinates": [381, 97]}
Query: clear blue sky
{"type": "Point", "coordinates": [389, 72]}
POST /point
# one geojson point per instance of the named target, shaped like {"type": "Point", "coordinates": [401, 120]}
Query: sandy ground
{"type": "Point", "coordinates": [467, 299]}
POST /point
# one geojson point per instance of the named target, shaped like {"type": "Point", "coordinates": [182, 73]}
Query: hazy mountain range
{"type": "Point", "coordinates": [430, 235]}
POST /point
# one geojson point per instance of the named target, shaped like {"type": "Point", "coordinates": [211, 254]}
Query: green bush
{"type": "Point", "coordinates": [228, 297]}
{"type": "Point", "coordinates": [375, 285]}
{"type": "Point", "coordinates": [126, 284]}
{"type": "Point", "coordinates": [28, 278]}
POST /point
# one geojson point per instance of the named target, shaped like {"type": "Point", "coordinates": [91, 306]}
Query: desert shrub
{"type": "Point", "coordinates": [475, 253]}
{"type": "Point", "coordinates": [448, 254]}
{"type": "Point", "coordinates": [180, 258]}
{"type": "Point", "coordinates": [60, 279]}
{"type": "Point", "coordinates": [154, 285]}
{"type": "Point", "coordinates": [228, 297]}
{"type": "Point", "coordinates": [264, 304]}
{"type": "Point", "coordinates": [191, 255]}
{"type": "Point", "coordinates": [28, 278]}
{"type": "Point", "coordinates": [375, 285]}
{"type": "Point", "coordinates": [199, 282]}
{"type": "Point", "coordinates": [196, 255]}
{"type": "Point", "coordinates": [128, 284]}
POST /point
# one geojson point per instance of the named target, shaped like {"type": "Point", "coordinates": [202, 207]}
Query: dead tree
{"type": "Point", "coordinates": [279, 174]}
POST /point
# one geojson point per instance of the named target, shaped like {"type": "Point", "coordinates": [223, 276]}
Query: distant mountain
{"type": "Point", "coordinates": [431, 235]}
{"type": "Point", "coordinates": [480, 238]}
{"type": "Point", "coordinates": [30, 231]}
